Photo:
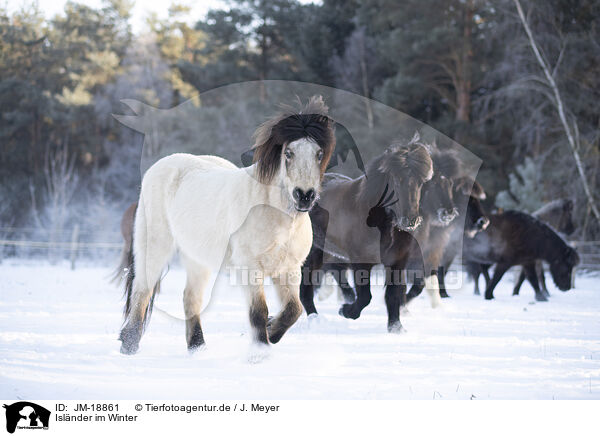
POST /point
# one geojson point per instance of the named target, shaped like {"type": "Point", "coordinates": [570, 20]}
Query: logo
{"type": "Point", "coordinates": [26, 415]}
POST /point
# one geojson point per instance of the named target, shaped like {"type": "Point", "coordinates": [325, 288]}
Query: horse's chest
{"type": "Point", "coordinates": [277, 243]}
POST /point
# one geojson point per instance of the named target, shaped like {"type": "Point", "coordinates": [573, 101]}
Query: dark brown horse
{"type": "Point", "coordinates": [475, 220]}
{"type": "Point", "coordinates": [354, 222]}
{"type": "Point", "coordinates": [516, 238]}
{"type": "Point", "coordinates": [439, 211]}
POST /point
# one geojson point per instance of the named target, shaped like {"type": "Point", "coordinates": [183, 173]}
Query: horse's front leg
{"type": "Point", "coordinates": [395, 292]}
{"type": "Point", "coordinates": [258, 312]}
{"type": "Point", "coordinates": [362, 281]}
{"type": "Point", "coordinates": [499, 271]}
{"type": "Point", "coordinates": [288, 289]}
{"type": "Point", "coordinates": [539, 269]}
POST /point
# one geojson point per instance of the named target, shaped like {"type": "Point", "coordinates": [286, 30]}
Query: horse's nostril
{"type": "Point", "coordinates": [482, 223]}
{"type": "Point", "coordinates": [310, 195]}
{"type": "Point", "coordinates": [297, 194]}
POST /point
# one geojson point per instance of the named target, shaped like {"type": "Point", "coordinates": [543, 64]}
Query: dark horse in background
{"type": "Point", "coordinates": [516, 238]}
{"type": "Point", "coordinates": [558, 214]}
{"type": "Point", "coordinates": [348, 223]}
{"type": "Point", "coordinates": [439, 211]}
{"type": "Point", "coordinates": [475, 220]}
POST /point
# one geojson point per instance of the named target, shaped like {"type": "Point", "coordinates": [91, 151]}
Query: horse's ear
{"type": "Point", "coordinates": [478, 190]}
{"type": "Point", "coordinates": [568, 206]}
{"type": "Point", "coordinates": [324, 120]}
{"type": "Point", "coordinates": [247, 157]}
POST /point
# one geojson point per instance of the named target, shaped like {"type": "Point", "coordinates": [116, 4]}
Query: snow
{"type": "Point", "coordinates": [59, 328]}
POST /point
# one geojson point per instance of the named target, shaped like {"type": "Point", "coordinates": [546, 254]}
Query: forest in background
{"type": "Point", "coordinates": [464, 67]}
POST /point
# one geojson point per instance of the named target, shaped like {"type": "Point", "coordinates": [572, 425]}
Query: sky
{"type": "Point", "coordinates": [141, 10]}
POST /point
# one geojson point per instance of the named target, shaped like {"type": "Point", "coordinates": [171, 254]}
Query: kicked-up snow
{"type": "Point", "coordinates": [59, 329]}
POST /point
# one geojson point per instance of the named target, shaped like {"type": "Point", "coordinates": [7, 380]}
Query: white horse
{"type": "Point", "coordinates": [214, 214]}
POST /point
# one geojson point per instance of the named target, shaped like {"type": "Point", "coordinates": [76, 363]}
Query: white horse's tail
{"type": "Point", "coordinates": [130, 261]}
{"type": "Point", "coordinates": [124, 264]}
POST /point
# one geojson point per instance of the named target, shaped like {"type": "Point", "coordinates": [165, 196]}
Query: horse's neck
{"type": "Point", "coordinates": [551, 247]}
{"type": "Point", "coordinates": [271, 194]}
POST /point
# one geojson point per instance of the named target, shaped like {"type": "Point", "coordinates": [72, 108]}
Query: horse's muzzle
{"type": "Point", "coordinates": [482, 223]}
{"type": "Point", "coordinates": [446, 216]}
{"type": "Point", "coordinates": [304, 200]}
{"type": "Point", "coordinates": [409, 224]}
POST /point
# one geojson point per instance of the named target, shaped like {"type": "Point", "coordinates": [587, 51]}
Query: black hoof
{"type": "Point", "coordinates": [196, 347]}
{"type": "Point", "coordinates": [541, 297]}
{"type": "Point", "coordinates": [396, 328]}
{"type": "Point", "coordinates": [129, 349]}
{"type": "Point", "coordinates": [444, 295]}
{"type": "Point", "coordinates": [347, 312]}
{"type": "Point", "coordinates": [273, 339]}
{"type": "Point", "coordinates": [130, 340]}
{"type": "Point", "coordinates": [489, 297]}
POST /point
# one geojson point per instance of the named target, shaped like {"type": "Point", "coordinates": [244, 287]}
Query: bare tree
{"type": "Point", "coordinates": [60, 183]}
{"type": "Point", "coordinates": [569, 125]}
{"type": "Point", "coordinates": [352, 69]}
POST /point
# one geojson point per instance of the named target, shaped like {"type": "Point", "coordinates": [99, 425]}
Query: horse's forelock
{"type": "Point", "coordinates": [420, 162]}
{"type": "Point", "coordinates": [412, 158]}
{"type": "Point", "coordinates": [288, 126]}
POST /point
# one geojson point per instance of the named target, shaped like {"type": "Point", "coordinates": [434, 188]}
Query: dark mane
{"type": "Point", "coordinates": [290, 125]}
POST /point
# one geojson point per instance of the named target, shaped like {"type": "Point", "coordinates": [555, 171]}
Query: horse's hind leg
{"type": "Point", "coordinates": [196, 282]}
{"type": "Point", "coordinates": [288, 292]}
{"type": "Point", "coordinates": [150, 258]}
{"type": "Point", "coordinates": [520, 281]}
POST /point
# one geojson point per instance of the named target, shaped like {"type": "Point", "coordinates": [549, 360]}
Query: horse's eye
{"type": "Point", "coordinates": [320, 155]}
{"type": "Point", "coordinates": [288, 154]}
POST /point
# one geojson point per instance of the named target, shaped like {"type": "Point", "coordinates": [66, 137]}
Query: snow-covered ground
{"type": "Point", "coordinates": [58, 340]}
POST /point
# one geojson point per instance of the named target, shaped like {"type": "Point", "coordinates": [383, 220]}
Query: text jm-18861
{"type": "Point", "coordinates": [96, 407]}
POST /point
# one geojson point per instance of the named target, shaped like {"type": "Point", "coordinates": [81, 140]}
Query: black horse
{"type": "Point", "coordinates": [516, 238]}
{"type": "Point", "coordinates": [558, 214]}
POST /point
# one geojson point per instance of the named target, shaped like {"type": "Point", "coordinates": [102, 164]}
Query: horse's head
{"type": "Point", "coordinates": [437, 196]}
{"type": "Point", "coordinates": [401, 170]}
{"type": "Point", "coordinates": [293, 150]}
{"type": "Point", "coordinates": [476, 220]}
{"type": "Point", "coordinates": [562, 267]}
